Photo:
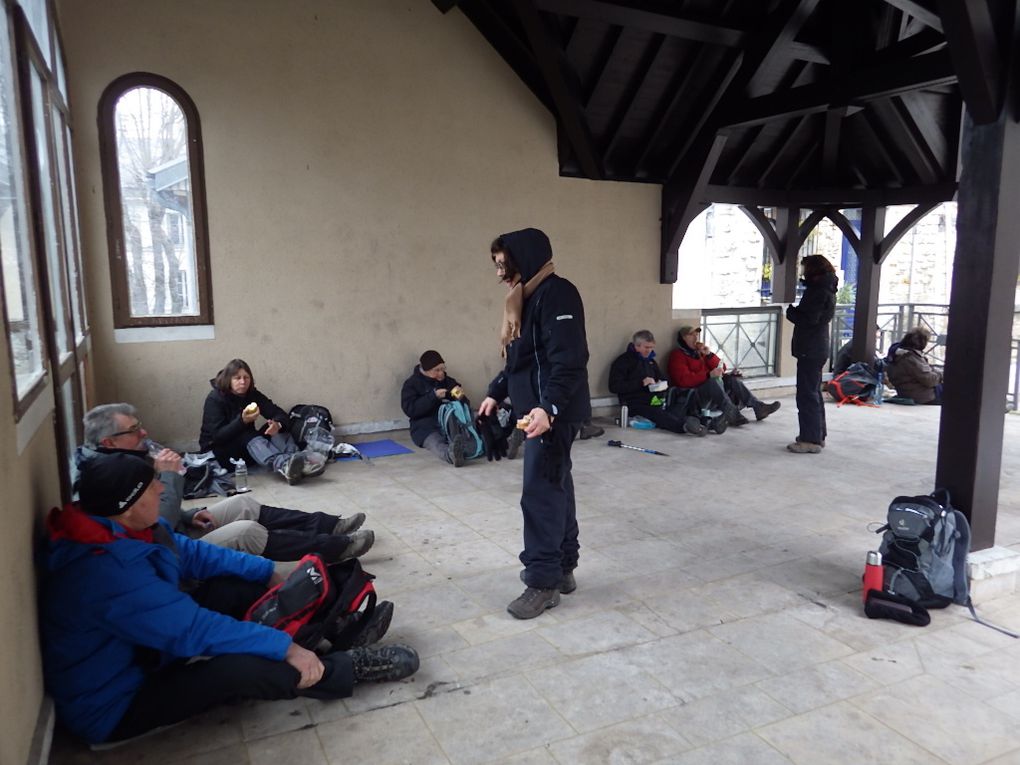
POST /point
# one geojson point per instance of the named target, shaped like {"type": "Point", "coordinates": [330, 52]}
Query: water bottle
{"type": "Point", "coordinates": [624, 419]}
{"type": "Point", "coordinates": [240, 475]}
{"type": "Point", "coordinates": [880, 388]}
{"type": "Point", "coordinates": [874, 574]}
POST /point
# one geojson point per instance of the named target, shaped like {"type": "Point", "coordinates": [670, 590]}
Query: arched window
{"type": "Point", "coordinates": [154, 191]}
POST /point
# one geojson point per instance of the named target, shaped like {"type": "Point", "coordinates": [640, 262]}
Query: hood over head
{"type": "Point", "coordinates": [530, 249]}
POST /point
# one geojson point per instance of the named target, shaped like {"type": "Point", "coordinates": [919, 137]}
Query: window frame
{"type": "Point", "coordinates": [122, 317]}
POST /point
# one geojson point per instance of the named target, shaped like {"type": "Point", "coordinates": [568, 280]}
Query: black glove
{"type": "Point", "coordinates": [492, 437]}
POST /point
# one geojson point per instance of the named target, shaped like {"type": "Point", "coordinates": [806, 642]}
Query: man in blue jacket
{"type": "Point", "coordinates": [127, 602]}
{"type": "Point", "coordinates": [546, 377]}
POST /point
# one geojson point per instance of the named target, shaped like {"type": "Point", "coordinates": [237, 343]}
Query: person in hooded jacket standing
{"type": "Point", "coordinates": [546, 378]}
{"type": "Point", "coordinates": [811, 318]}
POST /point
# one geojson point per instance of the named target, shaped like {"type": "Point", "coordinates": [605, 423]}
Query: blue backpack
{"type": "Point", "coordinates": [455, 418]}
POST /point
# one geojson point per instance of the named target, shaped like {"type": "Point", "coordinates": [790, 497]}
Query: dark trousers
{"type": "Point", "coordinates": [672, 420]}
{"type": "Point", "coordinates": [738, 392]}
{"type": "Point", "coordinates": [810, 404]}
{"type": "Point", "coordinates": [547, 502]}
{"type": "Point", "coordinates": [285, 519]}
{"type": "Point", "coordinates": [181, 690]}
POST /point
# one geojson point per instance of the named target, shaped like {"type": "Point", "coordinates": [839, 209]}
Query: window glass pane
{"type": "Point", "coordinates": [18, 276]}
{"type": "Point", "coordinates": [156, 204]}
{"type": "Point", "coordinates": [58, 67]}
{"type": "Point", "coordinates": [38, 15]}
{"type": "Point", "coordinates": [51, 241]}
{"type": "Point", "coordinates": [71, 249]}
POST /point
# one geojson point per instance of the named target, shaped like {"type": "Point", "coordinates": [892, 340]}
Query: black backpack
{"type": "Point", "coordinates": [306, 417]}
{"type": "Point", "coordinates": [318, 600]}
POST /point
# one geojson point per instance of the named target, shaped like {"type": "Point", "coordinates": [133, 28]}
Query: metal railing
{"type": "Point", "coordinates": [744, 338]}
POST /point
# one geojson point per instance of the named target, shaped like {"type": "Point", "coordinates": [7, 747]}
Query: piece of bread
{"type": "Point", "coordinates": [524, 422]}
{"type": "Point", "coordinates": [252, 408]}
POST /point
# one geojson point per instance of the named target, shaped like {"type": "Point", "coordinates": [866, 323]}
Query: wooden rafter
{"type": "Point", "coordinates": [648, 61]}
{"type": "Point", "coordinates": [836, 196]}
{"type": "Point", "coordinates": [974, 45]}
{"type": "Point", "coordinates": [901, 128]}
{"type": "Point", "coordinates": [906, 223]}
{"type": "Point", "coordinates": [766, 227]}
{"type": "Point", "coordinates": [921, 11]}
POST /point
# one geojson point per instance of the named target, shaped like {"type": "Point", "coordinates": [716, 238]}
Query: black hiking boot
{"type": "Point", "coordinates": [567, 584]}
{"type": "Point", "coordinates": [694, 426]}
{"type": "Point", "coordinates": [379, 664]}
{"type": "Point", "coordinates": [763, 410]}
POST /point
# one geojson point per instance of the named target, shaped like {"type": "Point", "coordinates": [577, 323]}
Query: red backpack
{"type": "Point", "coordinates": [318, 601]}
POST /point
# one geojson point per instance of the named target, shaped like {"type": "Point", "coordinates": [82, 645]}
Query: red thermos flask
{"type": "Point", "coordinates": [874, 574]}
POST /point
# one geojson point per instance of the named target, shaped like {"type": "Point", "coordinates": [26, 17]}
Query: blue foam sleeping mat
{"type": "Point", "coordinates": [383, 448]}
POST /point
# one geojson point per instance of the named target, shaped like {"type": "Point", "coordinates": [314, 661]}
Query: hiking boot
{"type": "Point", "coordinates": [360, 543]}
{"type": "Point", "coordinates": [514, 443]}
{"type": "Point", "coordinates": [719, 424]}
{"type": "Point", "coordinates": [355, 634]}
{"type": "Point", "coordinates": [349, 524]}
{"type": "Point", "coordinates": [315, 464]}
{"type": "Point", "coordinates": [737, 419]}
{"type": "Point", "coordinates": [694, 426]}
{"type": "Point", "coordinates": [335, 682]}
{"type": "Point", "coordinates": [822, 444]}
{"type": "Point", "coordinates": [567, 583]}
{"type": "Point", "coordinates": [533, 602]}
{"type": "Point", "coordinates": [762, 410]}
{"type": "Point", "coordinates": [292, 468]}
{"type": "Point", "coordinates": [804, 447]}
{"type": "Point", "coordinates": [379, 664]}
{"type": "Point", "coordinates": [456, 451]}
{"type": "Point", "coordinates": [588, 430]}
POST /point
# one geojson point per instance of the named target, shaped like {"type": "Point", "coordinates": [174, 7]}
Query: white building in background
{"type": "Point", "coordinates": [723, 258]}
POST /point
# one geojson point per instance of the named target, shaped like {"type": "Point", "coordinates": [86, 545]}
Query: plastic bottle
{"type": "Point", "coordinates": [880, 388]}
{"type": "Point", "coordinates": [624, 418]}
{"type": "Point", "coordinates": [874, 574]}
{"type": "Point", "coordinates": [240, 475]}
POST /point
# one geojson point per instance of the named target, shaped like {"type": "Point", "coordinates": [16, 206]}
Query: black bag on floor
{"type": "Point", "coordinates": [318, 600]}
{"type": "Point", "coordinates": [311, 424]}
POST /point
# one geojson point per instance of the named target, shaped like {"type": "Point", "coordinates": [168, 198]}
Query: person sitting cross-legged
{"type": "Point", "coordinates": [240, 522]}
{"type": "Point", "coordinates": [909, 371]}
{"type": "Point", "coordinates": [632, 377]}
{"type": "Point", "coordinates": [422, 394]}
{"type": "Point", "coordinates": [693, 366]}
{"type": "Point", "coordinates": [127, 605]}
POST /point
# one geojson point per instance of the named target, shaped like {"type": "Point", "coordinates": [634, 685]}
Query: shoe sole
{"type": "Point", "coordinates": [719, 425]}
{"type": "Point", "coordinates": [694, 427]}
{"type": "Point", "coordinates": [354, 522]}
{"type": "Point", "coordinates": [565, 589]}
{"type": "Point", "coordinates": [357, 553]}
{"type": "Point", "coordinates": [376, 627]}
{"type": "Point", "coordinates": [295, 469]}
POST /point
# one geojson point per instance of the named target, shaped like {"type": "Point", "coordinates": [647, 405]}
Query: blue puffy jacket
{"type": "Point", "coordinates": [109, 591]}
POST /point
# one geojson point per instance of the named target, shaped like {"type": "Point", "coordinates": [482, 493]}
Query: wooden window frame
{"type": "Point", "coordinates": [122, 317]}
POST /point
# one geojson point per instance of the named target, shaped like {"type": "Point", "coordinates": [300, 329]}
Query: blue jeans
{"type": "Point", "coordinates": [810, 404]}
{"type": "Point", "coordinates": [271, 451]}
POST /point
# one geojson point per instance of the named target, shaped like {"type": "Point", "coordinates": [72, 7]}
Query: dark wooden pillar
{"type": "Point", "coordinates": [980, 321]}
{"type": "Point", "coordinates": [868, 272]}
{"type": "Point", "coordinates": [785, 268]}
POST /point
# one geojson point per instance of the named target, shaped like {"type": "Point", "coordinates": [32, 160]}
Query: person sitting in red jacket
{"type": "Point", "coordinates": [693, 366]}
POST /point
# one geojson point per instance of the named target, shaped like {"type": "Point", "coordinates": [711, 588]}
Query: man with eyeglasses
{"type": "Point", "coordinates": [240, 522]}
{"type": "Point", "coordinates": [546, 377]}
{"type": "Point", "coordinates": [421, 395]}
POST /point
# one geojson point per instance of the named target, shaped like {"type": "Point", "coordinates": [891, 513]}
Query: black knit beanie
{"type": "Point", "coordinates": [111, 483]}
{"type": "Point", "coordinates": [430, 360]}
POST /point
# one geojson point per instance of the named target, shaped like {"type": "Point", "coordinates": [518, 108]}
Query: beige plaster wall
{"type": "Point", "coordinates": [359, 159]}
{"type": "Point", "coordinates": [30, 487]}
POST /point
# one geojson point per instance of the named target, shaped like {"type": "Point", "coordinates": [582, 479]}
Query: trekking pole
{"type": "Point", "coordinates": [622, 445]}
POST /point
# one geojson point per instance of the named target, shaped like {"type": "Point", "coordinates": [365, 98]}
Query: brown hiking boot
{"type": "Point", "coordinates": [533, 602]}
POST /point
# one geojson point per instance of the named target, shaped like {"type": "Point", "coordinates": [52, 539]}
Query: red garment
{"type": "Point", "coordinates": [74, 524]}
{"type": "Point", "coordinates": [689, 372]}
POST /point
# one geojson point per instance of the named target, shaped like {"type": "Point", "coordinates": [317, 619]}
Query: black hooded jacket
{"type": "Point", "coordinates": [811, 317]}
{"type": "Point", "coordinates": [223, 430]}
{"type": "Point", "coordinates": [547, 365]}
{"type": "Point", "coordinates": [419, 402]}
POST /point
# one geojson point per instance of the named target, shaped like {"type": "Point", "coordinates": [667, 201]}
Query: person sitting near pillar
{"type": "Point", "coordinates": [240, 522]}
{"type": "Point", "coordinates": [909, 371]}
{"type": "Point", "coordinates": [228, 427]}
{"type": "Point", "coordinates": [636, 380]}
{"type": "Point", "coordinates": [119, 631]}
{"type": "Point", "coordinates": [421, 396]}
{"type": "Point", "coordinates": [693, 366]}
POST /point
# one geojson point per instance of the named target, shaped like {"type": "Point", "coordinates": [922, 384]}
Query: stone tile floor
{"type": "Point", "coordinates": [717, 617]}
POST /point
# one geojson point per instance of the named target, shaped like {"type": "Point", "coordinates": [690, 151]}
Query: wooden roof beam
{"type": "Point", "coordinates": [565, 98]}
{"type": "Point", "coordinates": [830, 197]}
{"type": "Point", "coordinates": [921, 11]}
{"type": "Point", "coordinates": [977, 56]}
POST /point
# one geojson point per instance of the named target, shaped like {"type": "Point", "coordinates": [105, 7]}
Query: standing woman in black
{"type": "Point", "coordinates": [811, 319]}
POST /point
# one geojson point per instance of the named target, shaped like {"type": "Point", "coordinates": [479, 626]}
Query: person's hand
{"type": "Point", "coordinates": [717, 372]}
{"type": "Point", "coordinates": [203, 519]}
{"type": "Point", "coordinates": [167, 461]}
{"type": "Point", "coordinates": [248, 417]}
{"type": "Point", "coordinates": [648, 381]}
{"type": "Point", "coordinates": [440, 393]}
{"type": "Point", "coordinates": [540, 423]}
{"type": "Point", "coordinates": [273, 427]}
{"type": "Point", "coordinates": [305, 662]}
{"type": "Point", "coordinates": [488, 406]}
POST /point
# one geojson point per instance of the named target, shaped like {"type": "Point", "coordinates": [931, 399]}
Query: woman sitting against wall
{"type": "Point", "coordinates": [909, 371]}
{"type": "Point", "coordinates": [229, 419]}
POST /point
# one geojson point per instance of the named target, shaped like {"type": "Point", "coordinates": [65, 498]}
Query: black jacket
{"type": "Point", "coordinates": [547, 365]}
{"type": "Point", "coordinates": [626, 375]}
{"type": "Point", "coordinates": [419, 402]}
{"type": "Point", "coordinates": [811, 318]}
{"type": "Point", "coordinates": [223, 430]}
